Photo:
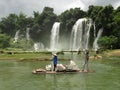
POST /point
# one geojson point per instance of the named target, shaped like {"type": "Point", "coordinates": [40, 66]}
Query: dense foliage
{"type": "Point", "coordinates": [41, 24]}
{"type": "Point", "coordinates": [4, 41]}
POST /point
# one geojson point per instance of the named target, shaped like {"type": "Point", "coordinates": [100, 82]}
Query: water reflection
{"type": "Point", "coordinates": [65, 81]}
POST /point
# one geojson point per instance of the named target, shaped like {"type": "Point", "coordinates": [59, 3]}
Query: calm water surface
{"type": "Point", "coordinates": [16, 75]}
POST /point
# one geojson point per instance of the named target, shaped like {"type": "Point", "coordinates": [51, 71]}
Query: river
{"type": "Point", "coordinates": [15, 75]}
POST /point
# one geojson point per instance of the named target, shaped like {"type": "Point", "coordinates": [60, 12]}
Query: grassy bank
{"type": "Point", "coordinates": [6, 55]}
{"type": "Point", "coordinates": [42, 56]}
{"type": "Point", "coordinates": [112, 53]}
{"type": "Point", "coordinates": [24, 56]}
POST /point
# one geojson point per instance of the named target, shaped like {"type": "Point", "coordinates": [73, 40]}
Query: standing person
{"type": "Point", "coordinates": [55, 59]}
{"type": "Point", "coordinates": [85, 66]}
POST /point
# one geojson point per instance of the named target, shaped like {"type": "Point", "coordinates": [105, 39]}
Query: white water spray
{"type": "Point", "coordinates": [16, 36]}
{"type": "Point", "coordinates": [95, 43]}
{"type": "Point", "coordinates": [54, 41]}
{"type": "Point", "coordinates": [38, 46]}
{"type": "Point", "coordinates": [80, 34]}
{"type": "Point", "coordinates": [94, 30]}
{"type": "Point", "coordinates": [27, 34]}
{"type": "Point", "coordinates": [89, 24]}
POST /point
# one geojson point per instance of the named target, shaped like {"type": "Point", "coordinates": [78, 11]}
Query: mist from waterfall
{"type": "Point", "coordinates": [38, 46]}
{"type": "Point", "coordinates": [16, 37]}
{"type": "Point", "coordinates": [95, 43]}
{"type": "Point", "coordinates": [80, 34]}
{"type": "Point", "coordinates": [54, 39]}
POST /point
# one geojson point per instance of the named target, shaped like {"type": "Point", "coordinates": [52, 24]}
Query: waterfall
{"type": "Point", "coordinates": [95, 43]}
{"type": "Point", "coordinates": [88, 33]}
{"type": "Point", "coordinates": [54, 36]}
{"type": "Point", "coordinates": [27, 34]}
{"type": "Point", "coordinates": [80, 34]}
{"type": "Point", "coordinates": [94, 30]}
{"type": "Point", "coordinates": [16, 36]}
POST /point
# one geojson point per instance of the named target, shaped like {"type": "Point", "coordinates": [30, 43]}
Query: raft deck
{"type": "Point", "coordinates": [42, 71]}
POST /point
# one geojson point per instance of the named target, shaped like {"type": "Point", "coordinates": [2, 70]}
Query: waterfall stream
{"type": "Point", "coordinates": [54, 41]}
{"type": "Point", "coordinates": [80, 34]}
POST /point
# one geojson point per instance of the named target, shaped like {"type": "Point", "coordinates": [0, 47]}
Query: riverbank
{"type": "Point", "coordinates": [112, 53]}
{"type": "Point", "coordinates": [27, 55]}
{"type": "Point", "coordinates": [45, 56]}
{"type": "Point", "coordinates": [13, 55]}
{"type": "Point", "coordinates": [105, 54]}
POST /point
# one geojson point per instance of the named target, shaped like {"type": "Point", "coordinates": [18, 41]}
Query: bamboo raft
{"type": "Point", "coordinates": [43, 71]}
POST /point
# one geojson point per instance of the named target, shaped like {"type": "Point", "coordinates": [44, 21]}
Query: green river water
{"type": "Point", "coordinates": [16, 75]}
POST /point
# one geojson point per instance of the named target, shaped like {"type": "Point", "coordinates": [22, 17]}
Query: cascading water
{"type": "Point", "coordinates": [95, 43]}
{"type": "Point", "coordinates": [94, 30]}
{"type": "Point", "coordinates": [27, 34]}
{"type": "Point", "coordinates": [54, 36]}
{"type": "Point", "coordinates": [89, 24]}
{"type": "Point", "coordinates": [80, 34]}
{"type": "Point", "coordinates": [16, 36]}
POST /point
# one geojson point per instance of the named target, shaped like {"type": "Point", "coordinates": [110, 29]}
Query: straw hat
{"type": "Point", "coordinates": [55, 54]}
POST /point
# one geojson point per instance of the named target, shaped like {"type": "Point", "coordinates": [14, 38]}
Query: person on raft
{"type": "Point", "coordinates": [55, 59]}
{"type": "Point", "coordinates": [85, 66]}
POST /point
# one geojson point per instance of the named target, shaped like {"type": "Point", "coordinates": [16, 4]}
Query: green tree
{"type": "Point", "coordinates": [116, 26]}
{"type": "Point", "coordinates": [68, 19]}
{"type": "Point", "coordinates": [9, 25]}
{"type": "Point", "coordinates": [103, 17]}
{"type": "Point", "coordinates": [47, 18]}
{"type": "Point", "coordinates": [23, 22]}
{"type": "Point", "coordinates": [35, 32]}
{"type": "Point", "coordinates": [108, 42]}
{"type": "Point", "coordinates": [4, 41]}
{"type": "Point", "coordinates": [43, 23]}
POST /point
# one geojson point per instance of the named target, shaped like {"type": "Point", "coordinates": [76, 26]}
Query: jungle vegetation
{"type": "Point", "coordinates": [40, 25]}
